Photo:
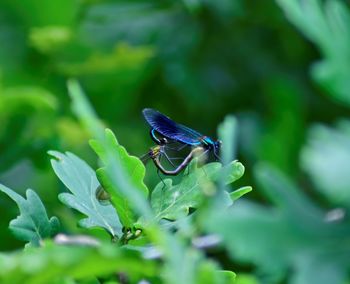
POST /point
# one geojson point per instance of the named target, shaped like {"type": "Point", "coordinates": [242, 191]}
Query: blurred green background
{"type": "Point", "coordinates": [281, 67]}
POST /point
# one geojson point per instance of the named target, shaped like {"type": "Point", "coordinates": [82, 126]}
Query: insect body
{"type": "Point", "coordinates": [159, 151]}
{"type": "Point", "coordinates": [168, 128]}
{"type": "Point", "coordinates": [156, 152]}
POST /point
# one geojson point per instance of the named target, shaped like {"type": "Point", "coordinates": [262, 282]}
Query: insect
{"type": "Point", "coordinates": [157, 152]}
{"type": "Point", "coordinates": [168, 128]}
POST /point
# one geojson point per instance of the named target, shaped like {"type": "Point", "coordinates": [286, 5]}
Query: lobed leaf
{"type": "Point", "coordinates": [295, 232]}
{"type": "Point", "coordinates": [327, 25]}
{"type": "Point", "coordinates": [133, 167]}
{"type": "Point", "coordinates": [326, 158]}
{"type": "Point", "coordinates": [81, 180]}
{"type": "Point", "coordinates": [33, 224]}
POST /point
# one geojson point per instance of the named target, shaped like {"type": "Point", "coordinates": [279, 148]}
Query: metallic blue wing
{"type": "Point", "coordinates": [170, 129]}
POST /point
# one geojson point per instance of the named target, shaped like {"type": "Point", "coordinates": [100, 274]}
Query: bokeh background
{"type": "Point", "coordinates": [281, 67]}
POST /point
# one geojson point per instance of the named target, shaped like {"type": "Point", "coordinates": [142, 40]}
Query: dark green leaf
{"type": "Point", "coordinates": [33, 224]}
{"type": "Point", "coordinates": [133, 167]}
{"type": "Point", "coordinates": [81, 180]}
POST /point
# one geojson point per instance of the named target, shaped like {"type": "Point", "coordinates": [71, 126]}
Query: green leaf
{"type": "Point", "coordinates": [174, 201]}
{"type": "Point", "coordinates": [134, 168]}
{"type": "Point", "coordinates": [209, 273]}
{"type": "Point", "coordinates": [83, 110]}
{"type": "Point", "coordinates": [227, 276]}
{"type": "Point", "coordinates": [327, 25]}
{"type": "Point", "coordinates": [326, 158]}
{"type": "Point", "coordinates": [227, 133]}
{"type": "Point", "coordinates": [115, 170]}
{"type": "Point", "coordinates": [295, 232]}
{"type": "Point", "coordinates": [81, 180]}
{"type": "Point", "coordinates": [238, 193]}
{"type": "Point", "coordinates": [55, 263]}
{"type": "Point", "coordinates": [246, 279]}
{"type": "Point", "coordinates": [33, 224]}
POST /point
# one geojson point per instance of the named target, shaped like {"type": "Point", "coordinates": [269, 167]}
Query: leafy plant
{"type": "Point", "coordinates": [62, 264]}
{"type": "Point", "coordinates": [194, 60]}
{"type": "Point", "coordinates": [132, 217]}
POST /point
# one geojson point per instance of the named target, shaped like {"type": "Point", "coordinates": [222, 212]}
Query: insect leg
{"type": "Point", "coordinates": [168, 159]}
{"type": "Point", "coordinates": [160, 177]}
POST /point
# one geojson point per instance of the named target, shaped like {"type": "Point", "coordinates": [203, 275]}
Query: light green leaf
{"type": "Point", "coordinates": [124, 58]}
{"type": "Point", "coordinates": [209, 273]}
{"type": "Point", "coordinates": [238, 193]}
{"type": "Point", "coordinates": [326, 158]}
{"type": "Point", "coordinates": [49, 39]}
{"type": "Point", "coordinates": [226, 276]}
{"type": "Point", "coordinates": [33, 224]}
{"type": "Point", "coordinates": [81, 180]}
{"type": "Point", "coordinates": [133, 167]}
{"type": "Point", "coordinates": [233, 171]}
{"type": "Point", "coordinates": [295, 232]}
{"type": "Point", "coordinates": [327, 25]}
{"type": "Point", "coordinates": [243, 278]}
{"type": "Point", "coordinates": [227, 132]}
{"type": "Point", "coordinates": [55, 263]}
{"type": "Point", "coordinates": [173, 201]}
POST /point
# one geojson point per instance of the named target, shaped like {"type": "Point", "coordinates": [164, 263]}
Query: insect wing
{"type": "Point", "coordinates": [170, 129]}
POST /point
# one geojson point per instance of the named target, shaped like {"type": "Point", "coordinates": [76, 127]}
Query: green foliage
{"type": "Point", "coordinates": [133, 168]}
{"type": "Point", "coordinates": [123, 58]}
{"type": "Point", "coordinates": [183, 263]}
{"type": "Point", "coordinates": [314, 248]}
{"type": "Point", "coordinates": [49, 38]}
{"type": "Point", "coordinates": [81, 180]}
{"type": "Point", "coordinates": [26, 98]}
{"type": "Point", "coordinates": [26, 113]}
{"type": "Point", "coordinates": [238, 193]}
{"type": "Point", "coordinates": [227, 133]}
{"type": "Point", "coordinates": [326, 147]}
{"type": "Point", "coordinates": [327, 24]}
{"type": "Point", "coordinates": [60, 264]}
{"type": "Point", "coordinates": [116, 170]}
{"type": "Point", "coordinates": [33, 224]}
{"type": "Point", "coordinates": [174, 201]}
{"type": "Point", "coordinates": [49, 263]}
{"type": "Point", "coordinates": [196, 61]}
